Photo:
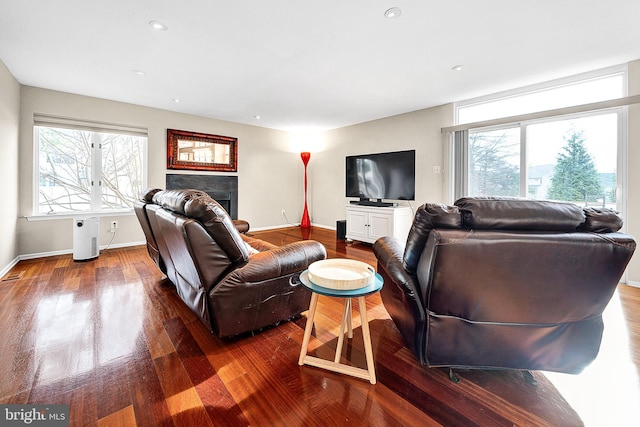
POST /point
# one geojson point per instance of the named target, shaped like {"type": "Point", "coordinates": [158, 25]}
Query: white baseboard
{"type": "Point", "coordinates": [272, 227]}
{"type": "Point", "coordinates": [633, 283]}
{"type": "Point", "coordinates": [326, 227]}
{"type": "Point", "coordinates": [45, 254]}
{"type": "Point", "coordinates": [63, 252]}
{"type": "Point", "coordinates": [123, 245]}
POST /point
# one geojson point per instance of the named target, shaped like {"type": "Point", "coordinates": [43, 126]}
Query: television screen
{"type": "Point", "coordinates": [382, 176]}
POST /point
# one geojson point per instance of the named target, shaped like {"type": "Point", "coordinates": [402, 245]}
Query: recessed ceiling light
{"type": "Point", "coordinates": [176, 100]}
{"type": "Point", "coordinates": [157, 25]}
{"type": "Point", "coordinates": [457, 68]}
{"type": "Point", "coordinates": [394, 12]}
{"type": "Point", "coordinates": [138, 72]}
{"type": "Point", "coordinates": [257, 117]}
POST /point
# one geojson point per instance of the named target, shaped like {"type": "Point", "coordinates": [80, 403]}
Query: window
{"type": "Point", "coordinates": [565, 93]}
{"type": "Point", "coordinates": [573, 157]}
{"type": "Point", "coordinates": [82, 167]}
{"type": "Point", "coordinates": [566, 159]}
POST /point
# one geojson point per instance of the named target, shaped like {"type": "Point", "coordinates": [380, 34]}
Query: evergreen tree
{"type": "Point", "coordinates": [575, 178]}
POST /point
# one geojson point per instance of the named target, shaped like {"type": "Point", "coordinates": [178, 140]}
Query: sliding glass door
{"type": "Point", "coordinates": [568, 159]}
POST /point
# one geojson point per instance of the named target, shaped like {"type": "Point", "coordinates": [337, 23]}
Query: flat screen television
{"type": "Point", "coordinates": [374, 177]}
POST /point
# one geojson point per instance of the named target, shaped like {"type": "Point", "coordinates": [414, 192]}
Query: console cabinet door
{"type": "Point", "coordinates": [357, 228]}
{"type": "Point", "coordinates": [380, 224]}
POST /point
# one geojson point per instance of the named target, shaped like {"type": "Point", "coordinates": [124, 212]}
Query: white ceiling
{"type": "Point", "coordinates": [303, 65]}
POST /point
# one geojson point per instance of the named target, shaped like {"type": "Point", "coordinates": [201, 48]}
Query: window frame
{"type": "Point", "coordinates": [540, 117]}
{"type": "Point", "coordinates": [95, 210]}
{"type": "Point", "coordinates": [621, 145]}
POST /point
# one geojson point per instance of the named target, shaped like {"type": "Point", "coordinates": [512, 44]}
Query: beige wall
{"type": "Point", "coordinates": [268, 176]}
{"type": "Point", "coordinates": [419, 130]}
{"type": "Point", "coordinates": [632, 217]}
{"type": "Point", "coordinates": [269, 171]}
{"type": "Point", "coordinates": [9, 124]}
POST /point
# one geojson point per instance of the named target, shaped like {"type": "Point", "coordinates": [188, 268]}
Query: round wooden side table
{"type": "Point", "coordinates": [335, 365]}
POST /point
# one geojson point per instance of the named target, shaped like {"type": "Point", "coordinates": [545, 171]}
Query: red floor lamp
{"type": "Point", "coordinates": [305, 222]}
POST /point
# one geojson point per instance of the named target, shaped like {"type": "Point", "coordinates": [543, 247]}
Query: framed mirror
{"type": "Point", "coordinates": [201, 151]}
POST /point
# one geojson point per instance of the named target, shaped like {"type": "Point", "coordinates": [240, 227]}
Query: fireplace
{"type": "Point", "coordinates": [224, 189]}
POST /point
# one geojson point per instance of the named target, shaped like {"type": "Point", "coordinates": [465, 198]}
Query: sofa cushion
{"type": "Point", "coordinates": [174, 200]}
{"type": "Point", "coordinates": [147, 195]}
{"type": "Point", "coordinates": [511, 213]}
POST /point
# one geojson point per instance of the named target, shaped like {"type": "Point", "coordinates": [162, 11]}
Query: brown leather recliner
{"type": "Point", "coordinates": [143, 217]}
{"type": "Point", "coordinates": [504, 283]}
{"type": "Point", "coordinates": [232, 282]}
{"type": "Point", "coordinates": [152, 245]}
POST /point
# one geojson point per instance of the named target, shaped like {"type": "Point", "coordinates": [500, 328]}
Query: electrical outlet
{"type": "Point", "coordinates": [283, 212]}
{"type": "Point", "coordinates": [114, 226]}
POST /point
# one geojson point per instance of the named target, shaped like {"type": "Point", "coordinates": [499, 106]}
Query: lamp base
{"type": "Point", "coordinates": [305, 222]}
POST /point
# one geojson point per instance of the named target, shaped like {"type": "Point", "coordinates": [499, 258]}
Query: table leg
{"type": "Point", "coordinates": [346, 315]}
{"type": "Point", "coordinates": [366, 337]}
{"type": "Point", "coordinates": [349, 325]}
{"type": "Point", "coordinates": [309, 327]}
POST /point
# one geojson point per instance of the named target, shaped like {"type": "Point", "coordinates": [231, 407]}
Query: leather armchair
{"type": "Point", "coordinates": [504, 283]}
{"type": "Point", "coordinates": [232, 282]}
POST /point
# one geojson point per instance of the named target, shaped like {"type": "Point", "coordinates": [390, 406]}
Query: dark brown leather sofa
{"type": "Point", "coordinates": [232, 282]}
{"type": "Point", "coordinates": [504, 283]}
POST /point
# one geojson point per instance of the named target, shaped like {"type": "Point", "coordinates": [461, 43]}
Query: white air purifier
{"type": "Point", "coordinates": [85, 238]}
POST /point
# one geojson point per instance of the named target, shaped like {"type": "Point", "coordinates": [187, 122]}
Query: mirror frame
{"type": "Point", "coordinates": [173, 135]}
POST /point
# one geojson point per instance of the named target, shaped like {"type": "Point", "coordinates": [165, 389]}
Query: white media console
{"type": "Point", "coordinates": [368, 223]}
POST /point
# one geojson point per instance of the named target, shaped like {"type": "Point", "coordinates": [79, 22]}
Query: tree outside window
{"type": "Point", "coordinates": [494, 163]}
{"type": "Point", "coordinates": [575, 178]}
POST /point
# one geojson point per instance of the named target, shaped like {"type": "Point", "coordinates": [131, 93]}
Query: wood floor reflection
{"type": "Point", "coordinates": [110, 338]}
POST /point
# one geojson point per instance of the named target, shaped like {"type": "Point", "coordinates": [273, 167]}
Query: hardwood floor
{"type": "Point", "coordinates": [110, 338]}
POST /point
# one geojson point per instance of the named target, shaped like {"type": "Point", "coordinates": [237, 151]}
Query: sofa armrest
{"type": "Point", "coordinates": [282, 261]}
{"type": "Point", "coordinates": [257, 244]}
{"type": "Point", "coordinates": [389, 251]}
{"type": "Point", "coordinates": [399, 293]}
{"type": "Point", "coordinates": [241, 225]}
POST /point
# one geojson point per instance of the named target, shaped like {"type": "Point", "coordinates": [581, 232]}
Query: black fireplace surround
{"type": "Point", "coordinates": [224, 189]}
